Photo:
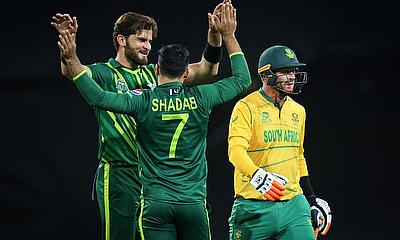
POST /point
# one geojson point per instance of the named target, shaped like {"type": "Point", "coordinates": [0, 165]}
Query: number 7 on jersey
{"type": "Point", "coordinates": [184, 118]}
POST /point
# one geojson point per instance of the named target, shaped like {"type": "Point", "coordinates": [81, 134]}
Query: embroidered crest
{"type": "Point", "coordinates": [295, 118]}
{"type": "Point", "coordinates": [121, 85]}
{"type": "Point", "coordinates": [265, 117]}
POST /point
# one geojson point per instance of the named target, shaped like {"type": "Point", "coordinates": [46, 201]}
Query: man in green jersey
{"type": "Point", "coordinates": [117, 181]}
{"type": "Point", "coordinates": [266, 136]}
{"type": "Point", "coordinates": [172, 128]}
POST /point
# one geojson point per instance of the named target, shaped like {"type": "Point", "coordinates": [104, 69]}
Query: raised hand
{"type": "Point", "coordinates": [226, 22]}
{"type": "Point", "coordinates": [66, 44]}
{"type": "Point", "coordinates": [212, 17]}
{"type": "Point", "coordinates": [67, 47]}
{"type": "Point", "coordinates": [64, 22]}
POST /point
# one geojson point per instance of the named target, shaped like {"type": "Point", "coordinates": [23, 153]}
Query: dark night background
{"type": "Point", "coordinates": [49, 134]}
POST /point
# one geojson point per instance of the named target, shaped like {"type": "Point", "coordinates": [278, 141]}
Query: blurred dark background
{"type": "Point", "coordinates": [49, 134]}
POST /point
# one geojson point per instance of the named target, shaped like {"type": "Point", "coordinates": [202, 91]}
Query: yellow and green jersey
{"type": "Point", "coordinates": [264, 135]}
{"type": "Point", "coordinates": [117, 132]}
{"type": "Point", "coordinates": [172, 122]}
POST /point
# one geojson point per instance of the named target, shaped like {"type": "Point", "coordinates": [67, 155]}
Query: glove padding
{"type": "Point", "coordinates": [281, 179]}
{"type": "Point", "coordinates": [266, 183]}
{"type": "Point", "coordinates": [321, 216]}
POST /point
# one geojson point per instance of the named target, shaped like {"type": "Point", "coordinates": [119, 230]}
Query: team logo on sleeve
{"type": "Point", "coordinates": [265, 117]}
{"type": "Point", "coordinates": [135, 92]}
{"type": "Point", "coordinates": [234, 118]}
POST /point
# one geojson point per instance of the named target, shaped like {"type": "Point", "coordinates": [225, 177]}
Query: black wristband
{"type": "Point", "coordinates": [63, 59]}
{"type": "Point", "coordinates": [212, 54]}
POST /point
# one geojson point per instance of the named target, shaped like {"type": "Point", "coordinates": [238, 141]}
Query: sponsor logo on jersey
{"type": "Point", "coordinates": [135, 92]}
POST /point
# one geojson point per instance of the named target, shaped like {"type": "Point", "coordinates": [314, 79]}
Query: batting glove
{"type": "Point", "coordinates": [321, 216]}
{"type": "Point", "coordinates": [266, 183]}
{"type": "Point", "coordinates": [281, 179]}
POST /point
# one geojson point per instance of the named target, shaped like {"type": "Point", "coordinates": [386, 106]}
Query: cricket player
{"type": "Point", "coordinates": [266, 136]}
{"type": "Point", "coordinates": [117, 180]}
{"type": "Point", "coordinates": [172, 122]}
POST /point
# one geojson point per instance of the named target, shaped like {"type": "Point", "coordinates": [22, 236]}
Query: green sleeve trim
{"type": "Point", "coordinates": [79, 75]}
{"type": "Point", "coordinates": [235, 53]}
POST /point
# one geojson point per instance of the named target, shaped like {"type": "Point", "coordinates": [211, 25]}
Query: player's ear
{"type": "Point", "coordinates": [157, 69]}
{"type": "Point", "coordinates": [186, 73]}
{"type": "Point", "coordinates": [121, 40]}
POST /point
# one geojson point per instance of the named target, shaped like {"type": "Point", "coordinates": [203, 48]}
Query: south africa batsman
{"type": "Point", "coordinates": [266, 136]}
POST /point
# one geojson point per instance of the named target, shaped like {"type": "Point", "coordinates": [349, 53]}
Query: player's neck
{"type": "Point", "coordinates": [273, 94]}
{"type": "Point", "coordinates": [163, 79]}
{"type": "Point", "coordinates": [125, 62]}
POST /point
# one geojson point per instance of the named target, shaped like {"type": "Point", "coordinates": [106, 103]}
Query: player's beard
{"type": "Point", "coordinates": [133, 56]}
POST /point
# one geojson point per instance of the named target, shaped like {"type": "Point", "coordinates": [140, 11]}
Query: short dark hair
{"type": "Point", "coordinates": [131, 23]}
{"type": "Point", "coordinates": [173, 59]}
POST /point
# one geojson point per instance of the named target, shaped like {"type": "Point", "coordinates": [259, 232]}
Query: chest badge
{"type": "Point", "coordinates": [265, 117]}
{"type": "Point", "coordinates": [121, 86]}
{"type": "Point", "coordinates": [295, 118]}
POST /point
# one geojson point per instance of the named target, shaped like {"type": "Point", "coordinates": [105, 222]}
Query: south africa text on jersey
{"type": "Point", "coordinates": [173, 104]}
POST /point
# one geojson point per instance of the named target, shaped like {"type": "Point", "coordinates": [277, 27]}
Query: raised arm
{"type": "Point", "coordinates": [209, 63]}
{"type": "Point", "coordinates": [90, 90]}
{"type": "Point", "coordinates": [64, 22]}
{"type": "Point", "coordinates": [228, 88]}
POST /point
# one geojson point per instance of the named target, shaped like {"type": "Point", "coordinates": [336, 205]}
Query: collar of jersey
{"type": "Point", "coordinates": [266, 96]}
{"type": "Point", "coordinates": [288, 98]}
{"type": "Point", "coordinates": [115, 64]}
{"type": "Point", "coordinates": [170, 84]}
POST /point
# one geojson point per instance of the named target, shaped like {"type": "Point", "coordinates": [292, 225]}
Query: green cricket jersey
{"type": "Point", "coordinates": [117, 132]}
{"type": "Point", "coordinates": [172, 129]}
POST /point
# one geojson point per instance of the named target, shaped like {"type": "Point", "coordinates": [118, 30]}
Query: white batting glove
{"type": "Point", "coordinates": [321, 216]}
{"type": "Point", "coordinates": [266, 183]}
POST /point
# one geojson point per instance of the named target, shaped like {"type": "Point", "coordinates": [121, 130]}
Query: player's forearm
{"type": "Point", "coordinates": [65, 71]}
{"type": "Point", "coordinates": [95, 96]}
{"type": "Point", "coordinates": [240, 72]}
{"type": "Point", "coordinates": [208, 66]}
{"type": "Point", "coordinates": [241, 160]}
{"type": "Point", "coordinates": [307, 188]}
{"type": "Point", "coordinates": [214, 38]}
{"type": "Point", "coordinates": [231, 44]}
{"type": "Point", "coordinates": [228, 88]}
{"type": "Point", "coordinates": [200, 72]}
